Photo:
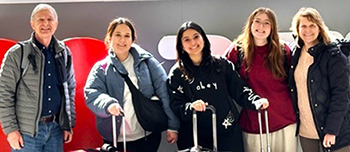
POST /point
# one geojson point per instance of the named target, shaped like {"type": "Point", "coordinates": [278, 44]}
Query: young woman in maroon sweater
{"type": "Point", "coordinates": [262, 64]}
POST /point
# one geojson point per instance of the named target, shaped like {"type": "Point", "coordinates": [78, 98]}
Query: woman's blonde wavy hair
{"type": "Point", "coordinates": [315, 17]}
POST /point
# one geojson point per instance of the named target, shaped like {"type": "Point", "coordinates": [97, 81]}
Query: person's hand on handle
{"type": "Point", "coordinates": [199, 105]}
{"type": "Point", "coordinates": [262, 104]}
{"type": "Point", "coordinates": [115, 109]}
{"type": "Point", "coordinates": [15, 140]}
{"type": "Point", "coordinates": [265, 105]}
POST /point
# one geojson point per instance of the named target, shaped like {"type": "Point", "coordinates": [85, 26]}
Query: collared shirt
{"type": "Point", "coordinates": [52, 84]}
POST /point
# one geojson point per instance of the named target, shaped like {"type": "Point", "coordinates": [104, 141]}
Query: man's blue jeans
{"type": "Point", "coordinates": [49, 139]}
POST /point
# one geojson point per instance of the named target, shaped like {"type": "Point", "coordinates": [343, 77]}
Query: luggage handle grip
{"type": "Point", "coordinates": [195, 133]}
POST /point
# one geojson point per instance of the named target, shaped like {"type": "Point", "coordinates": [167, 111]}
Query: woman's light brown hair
{"type": "Point", "coordinates": [275, 58]}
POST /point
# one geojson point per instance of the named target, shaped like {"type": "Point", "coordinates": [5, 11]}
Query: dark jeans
{"type": "Point", "coordinates": [149, 143]}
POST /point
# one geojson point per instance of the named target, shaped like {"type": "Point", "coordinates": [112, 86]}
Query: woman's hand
{"type": "Point", "coordinates": [199, 105]}
{"type": "Point", "coordinates": [328, 140]}
{"type": "Point", "coordinates": [262, 103]}
{"type": "Point", "coordinates": [171, 137]}
{"type": "Point", "coordinates": [265, 105]}
{"type": "Point", "coordinates": [115, 109]}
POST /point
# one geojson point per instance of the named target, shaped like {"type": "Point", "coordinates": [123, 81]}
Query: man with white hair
{"type": "Point", "coordinates": [37, 88]}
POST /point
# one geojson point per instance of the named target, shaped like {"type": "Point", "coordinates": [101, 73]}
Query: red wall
{"type": "Point", "coordinates": [5, 44]}
{"type": "Point", "coordinates": [86, 52]}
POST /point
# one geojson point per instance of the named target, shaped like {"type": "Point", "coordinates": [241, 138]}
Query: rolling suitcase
{"type": "Point", "coordinates": [113, 148]}
{"type": "Point", "coordinates": [196, 147]}
{"type": "Point", "coordinates": [268, 146]}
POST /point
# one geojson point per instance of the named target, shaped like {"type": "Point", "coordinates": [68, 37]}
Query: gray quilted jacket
{"type": "Point", "coordinates": [21, 109]}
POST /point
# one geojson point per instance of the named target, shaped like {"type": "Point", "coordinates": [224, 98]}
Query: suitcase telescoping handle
{"type": "Point", "coordinates": [195, 133]}
{"type": "Point", "coordinates": [267, 131]}
{"type": "Point", "coordinates": [114, 124]}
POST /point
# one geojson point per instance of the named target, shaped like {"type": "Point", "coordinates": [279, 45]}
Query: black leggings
{"type": "Point", "coordinates": [149, 143]}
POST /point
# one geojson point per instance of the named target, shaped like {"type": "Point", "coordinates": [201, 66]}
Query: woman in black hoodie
{"type": "Point", "coordinates": [198, 79]}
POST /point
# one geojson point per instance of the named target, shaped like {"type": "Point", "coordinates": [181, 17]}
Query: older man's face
{"type": "Point", "coordinates": [44, 24]}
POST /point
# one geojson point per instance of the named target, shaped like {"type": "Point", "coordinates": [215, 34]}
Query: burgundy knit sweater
{"type": "Point", "coordinates": [280, 111]}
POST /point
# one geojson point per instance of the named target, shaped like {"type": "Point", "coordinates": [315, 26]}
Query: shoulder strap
{"type": "Point", "coordinates": [21, 68]}
{"type": "Point", "coordinates": [21, 63]}
{"type": "Point", "coordinates": [150, 74]}
{"type": "Point", "coordinates": [220, 65]}
{"type": "Point", "coordinates": [240, 56]}
{"type": "Point", "coordinates": [285, 61]}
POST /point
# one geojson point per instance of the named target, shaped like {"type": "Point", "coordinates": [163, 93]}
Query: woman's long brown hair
{"type": "Point", "coordinates": [275, 58]}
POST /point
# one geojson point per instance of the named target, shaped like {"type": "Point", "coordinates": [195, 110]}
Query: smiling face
{"type": "Point", "coordinates": [121, 40]}
{"type": "Point", "coordinates": [308, 31]}
{"type": "Point", "coordinates": [192, 43]}
{"type": "Point", "coordinates": [261, 27]}
{"type": "Point", "coordinates": [44, 23]}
